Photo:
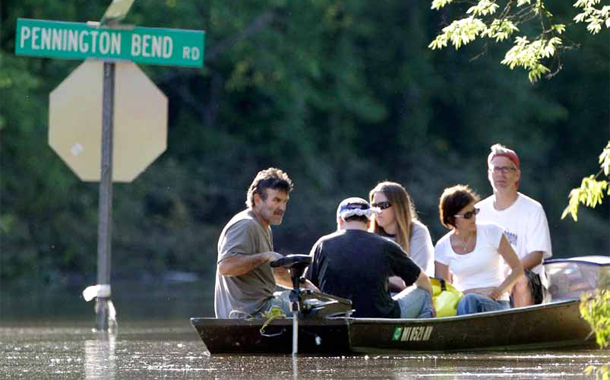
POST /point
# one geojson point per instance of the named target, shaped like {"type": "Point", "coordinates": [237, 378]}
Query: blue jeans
{"type": "Point", "coordinates": [476, 303]}
{"type": "Point", "coordinates": [414, 302]}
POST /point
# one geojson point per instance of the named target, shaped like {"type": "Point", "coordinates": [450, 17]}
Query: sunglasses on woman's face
{"type": "Point", "coordinates": [382, 205]}
{"type": "Point", "coordinates": [469, 214]}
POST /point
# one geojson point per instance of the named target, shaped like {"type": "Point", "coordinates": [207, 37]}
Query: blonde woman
{"type": "Point", "coordinates": [473, 254]}
{"type": "Point", "coordinates": [398, 221]}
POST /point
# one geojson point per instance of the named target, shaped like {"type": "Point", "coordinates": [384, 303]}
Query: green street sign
{"type": "Point", "coordinates": [71, 40]}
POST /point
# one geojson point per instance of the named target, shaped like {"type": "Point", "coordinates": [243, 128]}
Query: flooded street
{"type": "Point", "coordinates": [48, 335]}
{"type": "Point", "coordinates": [154, 351]}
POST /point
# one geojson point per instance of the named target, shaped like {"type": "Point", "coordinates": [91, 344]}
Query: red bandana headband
{"type": "Point", "coordinates": [511, 155]}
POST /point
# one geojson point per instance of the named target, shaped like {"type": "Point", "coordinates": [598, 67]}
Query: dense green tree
{"type": "Point", "coordinates": [341, 95]}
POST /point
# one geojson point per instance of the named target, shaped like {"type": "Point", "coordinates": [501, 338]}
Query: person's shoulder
{"type": "Point", "coordinates": [487, 202]}
{"type": "Point", "coordinates": [442, 249]}
{"type": "Point", "coordinates": [387, 241]}
{"type": "Point", "coordinates": [367, 237]}
{"type": "Point", "coordinates": [245, 216]}
{"type": "Point", "coordinates": [418, 226]}
{"type": "Point", "coordinates": [244, 219]}
{"type": "Point", "coordinates": [420, 230]}
{"type": "Point", "coordinates": [525, 201]}
{"type": "Point", "coordinates": [364, 236]}
{"type": "Point", "coordinates": [332, 236]}
{"type": "Point", "coordinates": [443, 240]}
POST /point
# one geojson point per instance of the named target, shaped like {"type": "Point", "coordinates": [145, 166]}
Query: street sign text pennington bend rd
{"type": "Point", "coordinates": [71, 40]}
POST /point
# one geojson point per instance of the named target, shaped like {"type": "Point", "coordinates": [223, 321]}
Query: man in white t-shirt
{"type": "Point", "coordinates": [524, 221]}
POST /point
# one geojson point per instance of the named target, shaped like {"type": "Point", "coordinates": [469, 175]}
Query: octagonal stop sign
{"type": "Point", "coordinates": [140, 121]}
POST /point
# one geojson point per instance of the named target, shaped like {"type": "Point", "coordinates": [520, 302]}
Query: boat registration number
{"type": "Point", "coordinates": [416, 333]}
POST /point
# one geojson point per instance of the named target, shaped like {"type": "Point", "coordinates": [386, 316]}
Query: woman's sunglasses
{"type": "Point", "coordinates": [469, 214]}
{"type": "Point", "coordinates": [382, 205]}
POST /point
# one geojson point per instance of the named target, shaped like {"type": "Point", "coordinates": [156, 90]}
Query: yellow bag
{"type": "Point", "coordinates": [445, 297]}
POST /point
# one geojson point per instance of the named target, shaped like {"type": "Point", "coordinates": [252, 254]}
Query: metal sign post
{"type": "Point", "coordinates": [104, 242]}
{"type": "Point", "coordinates": [140, 120]}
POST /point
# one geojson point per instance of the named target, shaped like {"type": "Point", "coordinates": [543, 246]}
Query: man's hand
{"type": "Point", "coordinates": [496, 293]}
{"type": "Point", "coordinates": [424, 282]}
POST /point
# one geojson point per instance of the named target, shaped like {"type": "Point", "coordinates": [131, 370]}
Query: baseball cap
{"type": "Point", "coordinates": [355, 206]}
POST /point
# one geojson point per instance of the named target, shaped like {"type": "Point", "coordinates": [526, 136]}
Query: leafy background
{"type": "Point", "coordinates": [341, 95]}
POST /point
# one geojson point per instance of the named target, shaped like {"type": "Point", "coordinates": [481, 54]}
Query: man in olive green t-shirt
{"type": "Point", "coordinates": [244, 279]}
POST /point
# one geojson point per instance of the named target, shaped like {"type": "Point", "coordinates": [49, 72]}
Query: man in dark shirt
{"type": "Point", "coordinates": [356, 264]}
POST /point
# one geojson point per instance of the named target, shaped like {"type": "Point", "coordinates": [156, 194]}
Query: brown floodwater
{"type": "Point", "coordinates": [174, 351]}
{"type": "Point", "coordinates": [47, 334]}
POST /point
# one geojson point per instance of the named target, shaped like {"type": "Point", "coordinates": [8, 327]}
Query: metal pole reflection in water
{"type": "Point", "coordinates": [295, 334]}
{"type": "Point", "coordinates": [100, 358]}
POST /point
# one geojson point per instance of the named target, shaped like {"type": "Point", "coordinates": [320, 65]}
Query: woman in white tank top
{"type": "Point", "coordinates": [472, 255]}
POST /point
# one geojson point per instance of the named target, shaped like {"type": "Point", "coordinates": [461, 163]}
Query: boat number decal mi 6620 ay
{"type": "Point", "coordinates": [412, 333]}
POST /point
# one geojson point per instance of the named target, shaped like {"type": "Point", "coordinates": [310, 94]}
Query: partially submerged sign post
{"type": "Point", "coordinates": [139, 121]}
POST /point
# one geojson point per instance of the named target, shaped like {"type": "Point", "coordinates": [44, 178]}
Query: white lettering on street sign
{"type": "Point", "coordinates": [151, 46]}
{"type": "Point", "coordinates": [173, 47]}
{"type": "Point", "coordinates": [86, 41]}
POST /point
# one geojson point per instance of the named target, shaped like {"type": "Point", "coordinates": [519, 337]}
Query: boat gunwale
{"type": "Point", "coordinates": [589, 260]}
{"type": "Point", "coordinates": [356, 320]}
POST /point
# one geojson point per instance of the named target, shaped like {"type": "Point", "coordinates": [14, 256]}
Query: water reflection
{"type": "Point", "coordinates": [522, 366]}
{"type": "Point", "coordinates": [100, 358]}
{"type": "Point", "coordinates": [52, 343]}
{"type": "Point", "coordinates": [144, 351]}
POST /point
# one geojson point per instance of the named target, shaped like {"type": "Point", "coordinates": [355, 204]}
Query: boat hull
{"type": "Point", "coordinates": [238, 336]}
{"type": "Point", "coordinates": [534, 327]}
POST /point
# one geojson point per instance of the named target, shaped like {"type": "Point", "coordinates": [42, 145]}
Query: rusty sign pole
{"type": "Point", "coordinates": [104, 242]}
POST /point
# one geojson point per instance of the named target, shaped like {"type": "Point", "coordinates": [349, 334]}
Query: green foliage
{"type": "Point", "coordinates": [591, 191]}
{"type": "Point", "coordinates": [540, 40]}
{"type": "Point", "coordinates": [601, 372]}
{"type": "Point", "coordinates": [340, 94]}
{"type": "Point", "coordinates": [460, 32]}
{"type": "Point", "coordinates": [595, 17]}
{"type": "Point", "coordinates": [528, 55]}
{"type": "Point", "coordinates": [595, 309]}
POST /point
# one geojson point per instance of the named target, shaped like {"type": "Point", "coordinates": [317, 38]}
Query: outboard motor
{"type": "Point", "coordinates": [296, 264]}
{"type": "Point", "coordinates": [311, 304]}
